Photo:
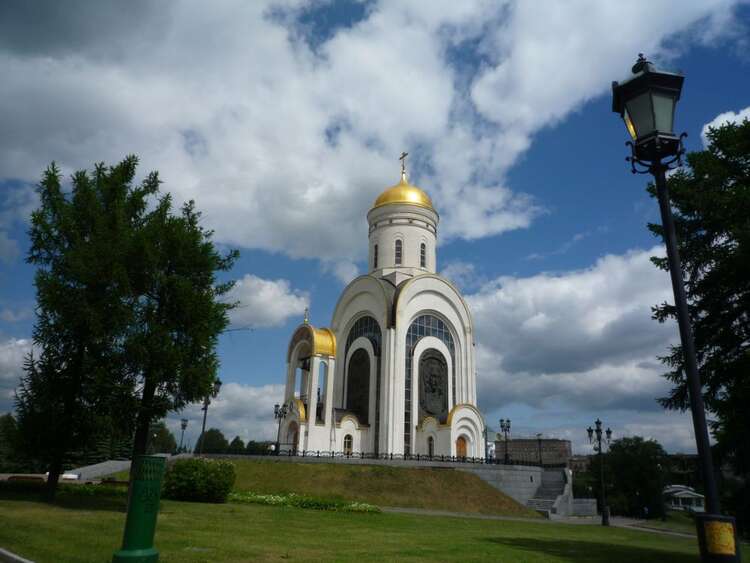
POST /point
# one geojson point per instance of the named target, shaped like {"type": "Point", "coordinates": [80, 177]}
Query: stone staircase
{"type": "Point", "coordinates": [553, 485]}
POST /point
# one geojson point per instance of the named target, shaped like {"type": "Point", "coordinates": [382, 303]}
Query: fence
{"type": "Point", "coordinates": [412, 457]}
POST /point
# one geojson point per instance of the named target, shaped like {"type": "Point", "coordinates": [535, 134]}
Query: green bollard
{"type": "Point", "coordinates": [143, 508]}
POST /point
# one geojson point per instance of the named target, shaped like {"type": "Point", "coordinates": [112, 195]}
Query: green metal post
{"type": "Point", "coordinates": [143, 508]}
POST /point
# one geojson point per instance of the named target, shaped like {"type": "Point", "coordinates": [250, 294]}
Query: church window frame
{"type": "Point", "coordinates": [368, 327]}
{"type": "Point", "coordinates": [398, 251]}
{"type": "Point", "coordinates": [348, 444]}
{"type": "Point", "coordinates": [375, 257]}
{"type": "Point", "coordinates": [423, 255]}
{"type": "Point", "coordinates": [424, 325]}
{"type": "Point", "coordinates": [430, 446]}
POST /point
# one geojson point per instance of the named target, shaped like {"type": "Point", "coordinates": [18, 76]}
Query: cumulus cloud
{"type": "Point", "coordinates": [14, 315]}
{"type": "Point", "coordinates": [462, 274]}
{"type": "Point", "coordinates": [723, 119]}
{"type": "Point", "coordinates": [12, 354]}
{"type": "Point", "coordinates": [568, 336]}
{"type": "Point", "coordinates": [239, 410]}
{"type": "Point", "coordinates": [285, 137]}
{"type": "Point", "coordinates": [265, 303]}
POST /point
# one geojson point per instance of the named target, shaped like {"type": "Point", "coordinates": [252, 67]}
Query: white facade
{"type": "Point", "coordinates": [394, 373]}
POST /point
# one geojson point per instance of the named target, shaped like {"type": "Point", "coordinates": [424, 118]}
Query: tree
{"type": "Point", "coordinates": [9, 457]}
{"type": "Point", "coordinates": [212, 442]}
{"type": "Point", "coordinates": [171, 350]}
{"type": "Point", "coordinates": [257, 448]}
{"type": "Point", "coordinates": [634, 475]}
{"type": "Point", "coordinates": [129, 310]}
{"type": "Point", "coordinates": [711, 200]}
{"type": "Point", "coordinates": [78, 242]}
{"type": "Point", "coordinates": [160, 439]}
{"type": "Point", "coordinates": [237, 446]}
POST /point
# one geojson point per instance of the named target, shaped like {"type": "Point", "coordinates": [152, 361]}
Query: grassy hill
{"type": "Point", "coordinates": [431, 488]}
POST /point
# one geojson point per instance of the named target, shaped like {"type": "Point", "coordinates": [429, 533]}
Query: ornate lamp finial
{"type": "Point", "coordinates": [402, 158]}
{"type": "Point", "coordinates": [306, 320]}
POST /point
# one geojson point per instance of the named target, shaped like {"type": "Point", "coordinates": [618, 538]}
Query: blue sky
{"type": "Point", "coordinates": [284, 120]}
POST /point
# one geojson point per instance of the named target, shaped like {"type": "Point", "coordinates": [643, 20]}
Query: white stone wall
{"type": "Point", "coordinates": [413, 226]}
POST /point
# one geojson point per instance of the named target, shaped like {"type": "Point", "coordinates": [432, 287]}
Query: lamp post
{"type": "Point", "coordinates": [207, 401]}
{"type": "Point", "coordinates": [505, 429]}
{"type": "Point", "coordinates": [539, 446]}
{"type": "Point", "coordinates": [646, 102]}
{"type": "Point", "coordinates": [598, 448]}
{"type": "Point", "coordinates": [183, 425]}
{"type": "Point", "coordinates": [279, 413]}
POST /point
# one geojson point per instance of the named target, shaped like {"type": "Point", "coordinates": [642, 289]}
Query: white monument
{"type": "Point", "coordinates": [394, 373]}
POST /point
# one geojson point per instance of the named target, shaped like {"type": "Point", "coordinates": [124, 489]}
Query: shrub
{"type": "Point", "coordinates": [199, 480]}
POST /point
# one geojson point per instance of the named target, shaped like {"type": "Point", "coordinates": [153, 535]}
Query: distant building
{"type": "Point", "coordinates": [682, 497]}
{"type": "Point", "coordinates": [580, 463]}
{"type": "Point", "coordinates": [552, 451]}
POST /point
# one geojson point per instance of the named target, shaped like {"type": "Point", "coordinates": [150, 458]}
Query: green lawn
{"type": "Point", "coordinates": [675, 522]}
{"type": "Point", "coordinates": [381, 485]}
{"type": "Point", "coordinates": [431, 488]}
{"type": "Point", "coordinates": [78, 528]}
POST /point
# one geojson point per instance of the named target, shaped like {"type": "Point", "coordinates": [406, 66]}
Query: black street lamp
{"type": "Point", "coordinates": [646, 102]}
{"type": "Point", "coordinates": [279, 413]}
{"type": "Point", "coordinates": [183, 425]}
{"type": "Point", "coordinates": [206, 402]}
{"type": "Point", "coordinates": [505, 429]}
{"type": "Point", "coordinates": [598, 448]}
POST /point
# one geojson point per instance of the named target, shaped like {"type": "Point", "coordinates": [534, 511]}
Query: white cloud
{"type": "Point", "coordinates": [344, 270]}
{"type": "Point", "coordinates": [723, 119]}
{"type": "Point", "coordinates": [462, 274]}
{"type": "Point", "coordinates": [239, 410]}
{"type": "Point", "coordinates": [265, 303]}
{"type": "Point", "coordinates": [14, 315]}
{"type": "Point", "coordinates": [570, 336]}
{"type": "Point", "coordinates": [284, 147]}
{"type": "Point", "coordinates": [13, 351]}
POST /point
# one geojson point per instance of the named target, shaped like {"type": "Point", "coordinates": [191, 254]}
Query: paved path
{"type": "Point", "coordinates": [615, 521]}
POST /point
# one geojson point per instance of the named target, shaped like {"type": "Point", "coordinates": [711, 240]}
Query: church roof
{"type": "Point", "coordinates": [404, 193]}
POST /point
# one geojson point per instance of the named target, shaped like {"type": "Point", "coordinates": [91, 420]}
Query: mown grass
{"type": "Point", "coordinates": [429, 488]}
{"type": "Point", "coordinates": [89, 528]}
{"type": "Point", "coordinates": [675, 522]}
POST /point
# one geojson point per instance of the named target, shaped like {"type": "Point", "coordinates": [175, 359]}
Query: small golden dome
{"type": "Point", "coordinates": [404, 192]}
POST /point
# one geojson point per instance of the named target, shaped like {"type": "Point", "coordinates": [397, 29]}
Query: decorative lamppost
{"type": "Point", "coordinates": [646, 102]}
{"type": "Point", "coordinates": [505, 429]}
{"type": "Point", "coordinates": [206, 402]}
{"type": "Point", "coordinates": [183, 425]}
{"type": "Point", "coordinates": [598, 449]}
{"type": "Point", "coordinates": [279, 413]}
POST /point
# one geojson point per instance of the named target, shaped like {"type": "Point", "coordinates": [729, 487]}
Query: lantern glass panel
{"type": "Point", "coordinates": [663, 112]}
{"type": "Point", "coordinates": [641, 114]}
{"type": "Point", "coordinates": [629, 125]}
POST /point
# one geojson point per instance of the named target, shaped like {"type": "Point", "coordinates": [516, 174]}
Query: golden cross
{"type": "Point", "coordinates": [402, 158]}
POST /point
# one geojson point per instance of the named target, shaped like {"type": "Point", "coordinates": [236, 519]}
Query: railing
{"type": "Point", "coordinates": [412, 457]}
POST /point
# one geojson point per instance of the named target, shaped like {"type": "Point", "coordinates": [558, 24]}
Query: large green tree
{"type": "Point", "coordinates": [79, 241]}
{"type": "Point", "coordinates": [711, 202]}
{"type": "Point", "coordinates": [635, 472]}
{"type": "Point", "coordinates": [160, 439]}
{"type": "Point", "coordinates": [129, 310]}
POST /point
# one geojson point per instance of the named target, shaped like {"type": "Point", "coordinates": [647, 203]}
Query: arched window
{"type": "Point", "coordinates": [423, 255]}
{"type": "Point", "coordinates": [322, 386]}
{"type": "Point", "coordinates": [399, 251]}
{"type": "Point", "coordinates": [375, 258]}
{"type": "Point", "coordinates": [430, 446]}
{"type": "Point", "coordinates": [348, 444]}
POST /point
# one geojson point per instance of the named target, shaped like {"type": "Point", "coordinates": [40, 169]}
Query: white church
{"type": "Point", "coordinates": [394, 372]}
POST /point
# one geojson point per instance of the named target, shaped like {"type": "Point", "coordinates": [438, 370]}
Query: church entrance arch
{"type": "Point", "coordinates": [292, 436]}
{"type": "Point", "coordinates": [433, 385]}
{"type": "Point", "coordinates": [461, 446]}
{"type": "Point", "coordinates": [358, 385]}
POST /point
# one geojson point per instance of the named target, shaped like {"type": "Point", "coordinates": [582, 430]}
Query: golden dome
{"type": "Point", "coordinates": [404, 192]}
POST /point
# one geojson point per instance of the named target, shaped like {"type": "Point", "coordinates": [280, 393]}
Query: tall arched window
{"type": "Point", "coordinates": [348, 444]}
{"type": "Point", "coordinates": [375, 258]}
{"type": "Point", "coordinates": [423, 255]}
{"type": "Point", "coordinates": [322, 386]}
{"type": "Point", "coordinates": [430, 446]}
{"type": "Point", "coordinates": [399, 251]}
